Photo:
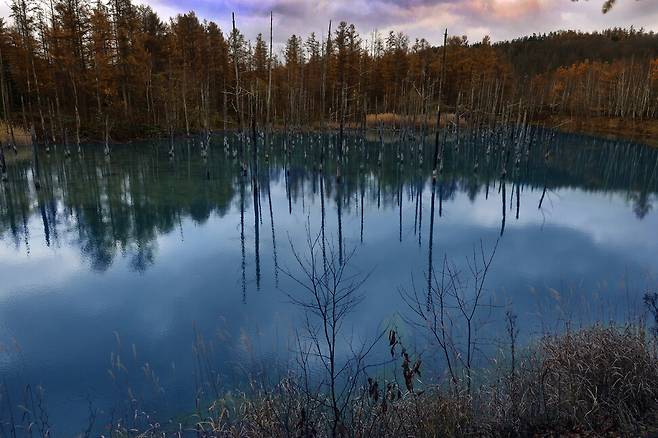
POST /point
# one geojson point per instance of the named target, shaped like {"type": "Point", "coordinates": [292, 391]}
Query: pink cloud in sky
{"type": "Point", "coordinates": [505, 9]}
{"type": "Point", "coordinates": [501, 19]}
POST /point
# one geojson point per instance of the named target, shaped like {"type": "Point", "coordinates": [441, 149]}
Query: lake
{"type": "Point", "coordinates": [121, 272]}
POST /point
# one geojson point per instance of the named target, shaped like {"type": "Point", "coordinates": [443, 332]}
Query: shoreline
{"type": "Point", "coordinates": [640, 131]}
{"type": "Point", "coordinates": [644, 132]}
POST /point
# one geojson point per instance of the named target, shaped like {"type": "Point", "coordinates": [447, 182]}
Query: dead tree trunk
{"type": "Point", "coordinates": [36, 174]}
{"type": "Point", "coordinates": [268, 127]}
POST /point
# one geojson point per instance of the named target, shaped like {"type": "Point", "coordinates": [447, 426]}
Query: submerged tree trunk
{"type": "Point", "coordinates": [106, 150]}
{"type": "Point", "coordinates": [3, 164]}
{"type": "Point", "coordinates": [36, 174]}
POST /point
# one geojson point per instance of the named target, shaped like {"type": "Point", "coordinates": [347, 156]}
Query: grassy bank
{"type": "Point", "coordinates": [385, 124]}
{"type": "Point", "coordinates": [642, 131]}
{"type": "Point", "coordinates": [598, 381]}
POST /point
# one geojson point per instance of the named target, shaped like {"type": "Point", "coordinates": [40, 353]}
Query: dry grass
{"type": "Point", "coordinates": [21, 135]}
{"type": "Point", "coordinates": [643, 131]}
{"type": "Point", "coordinates": [392, 119]}
{"type": "Point", "coordinates": [23, 142]}
{"type": "Point", "coordinates": [600, 381]}
{"type": "Point", "coordinates": [597, 381]}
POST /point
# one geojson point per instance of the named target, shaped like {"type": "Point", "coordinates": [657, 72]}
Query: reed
{"type": "Point", "coordinates": [596, 381]}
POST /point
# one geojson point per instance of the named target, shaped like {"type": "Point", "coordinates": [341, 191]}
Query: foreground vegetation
{"type": "Point", "coordinates": [596, 381]}
{"type": "Point", "coordinates": [600, 380]}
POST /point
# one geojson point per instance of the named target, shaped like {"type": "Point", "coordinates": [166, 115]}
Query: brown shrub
{"type": "Point", "coordinates": [596, 381]}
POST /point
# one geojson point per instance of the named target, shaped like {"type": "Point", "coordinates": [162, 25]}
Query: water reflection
{"type": "Point", "coordinates": [120, 206]}
{"type": "Point", "coordinates": [151, 244]}
{"type": "Point", "coordinates": [115, 207]}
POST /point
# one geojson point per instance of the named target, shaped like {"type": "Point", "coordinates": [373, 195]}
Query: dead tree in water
{"type": "Point", "coordinates": [67, 146]}
{"type": "Point", "coordinates": [77, 129]}
{"type": "Point", "coordinates": [106, 149]}
{"type": "Point", "coordinates": [3, 164]}
{"type": "Point", "coordinates": [184, 97]}
{"type": "Point", "coordinates": [435, 172]}
{"type": "Point", "coordinates": [77, 111]}
{"type": "Point", "coordinates": [341, 134]}
{"type": "Point", "coordinates": [205, 142]}
{"type": "Point", "coordinates": [438, 111]}
{"type": "Point", "coordinates": [35, 159]}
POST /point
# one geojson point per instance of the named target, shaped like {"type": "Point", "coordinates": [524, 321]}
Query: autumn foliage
{"type": "Point", "coordinates": [74, 68]}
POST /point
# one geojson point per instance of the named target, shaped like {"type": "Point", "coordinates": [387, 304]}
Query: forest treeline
{"type": "Point", "coordinates": [77, 70]}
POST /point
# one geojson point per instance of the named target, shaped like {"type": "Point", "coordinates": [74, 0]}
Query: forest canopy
{"type": "Point", "coordinates": [74, 69]}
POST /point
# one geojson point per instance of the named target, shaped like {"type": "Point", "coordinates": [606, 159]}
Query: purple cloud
{"type": "Point", "coordinates": [501, 19]}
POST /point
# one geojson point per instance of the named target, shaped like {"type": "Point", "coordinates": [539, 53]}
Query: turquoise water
{"type": "Point", "coordinates": [116, 265]}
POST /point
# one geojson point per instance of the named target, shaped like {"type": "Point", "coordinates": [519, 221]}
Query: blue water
{"type": "Point", "coordinates": [139, 256]}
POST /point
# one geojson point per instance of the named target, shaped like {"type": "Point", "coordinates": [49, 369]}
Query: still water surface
{"type": "Point", "coordinates": [136, 255]}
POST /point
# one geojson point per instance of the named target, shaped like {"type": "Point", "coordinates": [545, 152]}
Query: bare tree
{"type": "Point", "coordinates": [328, 293]}
{"type": "Point", "coordinates": [455, 298]}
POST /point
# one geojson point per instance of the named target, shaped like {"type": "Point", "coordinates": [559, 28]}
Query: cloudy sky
{"type": "Point", "coordinates": [501, 19]}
